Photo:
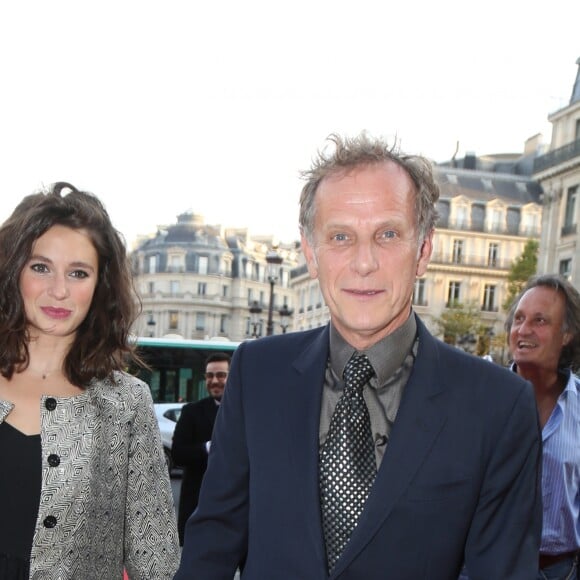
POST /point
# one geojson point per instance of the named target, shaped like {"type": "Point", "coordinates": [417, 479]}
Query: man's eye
{"type": "Point", "coordinates": [340, 237]}
{"type": "Point", "coordinates": [388, 235]}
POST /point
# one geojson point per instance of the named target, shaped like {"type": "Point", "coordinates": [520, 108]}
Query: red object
{"type": "Point", "coordinates": [125, 575]}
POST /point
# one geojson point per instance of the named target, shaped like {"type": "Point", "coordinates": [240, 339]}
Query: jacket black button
{"type": "Point", "coordinates": [49, 522]}
{"type": "Point", "coordinates": [53, 460]}
{"type": "Point", "coordinates": [50, 404]}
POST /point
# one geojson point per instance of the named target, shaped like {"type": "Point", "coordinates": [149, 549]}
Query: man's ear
{"type": "Point", "coordinates": [425, 254]}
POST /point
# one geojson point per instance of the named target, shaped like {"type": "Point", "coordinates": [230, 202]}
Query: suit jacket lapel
{"type": "Point", "coordinates": [421, 416]}
{"type": "Point", "coordinates": [304, 386]}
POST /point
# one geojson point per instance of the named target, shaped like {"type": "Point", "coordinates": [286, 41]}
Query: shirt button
{"type": "Point", "coordinates": [53, 460]}
{"type": "Point", "coordinates": [49, 522]}
{"type": "Point", "coordinates": [50, 404]}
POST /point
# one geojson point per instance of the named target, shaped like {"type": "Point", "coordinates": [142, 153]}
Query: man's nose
{"type": "Point", "coordinates": [524, 327]}
{"type": "Point", "coordinates": [365, 260]}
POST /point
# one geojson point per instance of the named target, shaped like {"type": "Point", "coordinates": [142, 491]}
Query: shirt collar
{"type": "Point", "coordinates": [386, 356]}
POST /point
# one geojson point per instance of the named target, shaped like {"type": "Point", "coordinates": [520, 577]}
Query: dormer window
{"type": "Point", "coordinates": [176, 262]}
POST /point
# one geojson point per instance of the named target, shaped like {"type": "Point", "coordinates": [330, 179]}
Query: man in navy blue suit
{"type": "Point", "coordinates": [368, 449]}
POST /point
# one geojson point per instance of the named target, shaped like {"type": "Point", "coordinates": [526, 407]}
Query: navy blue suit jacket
{"type": "Point", "coordinates": [459, 478]}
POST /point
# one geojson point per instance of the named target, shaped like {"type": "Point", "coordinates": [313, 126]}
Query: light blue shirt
{"type": "Point", "coordinates": [561, 473]}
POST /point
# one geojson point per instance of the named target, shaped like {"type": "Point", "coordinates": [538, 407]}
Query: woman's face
{"type": "Point", "coordinates": [58, 282]}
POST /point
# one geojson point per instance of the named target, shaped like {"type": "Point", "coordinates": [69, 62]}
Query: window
{"type": "Point", "coordinates": [461, 216]}
{"type": "Point", "coordinates": [457, 257]}
{"type": "Point", "coordinates": [313, 295]}
{"type": "Point", "coordinates": [570, 215]}
{"type": "Point", "coordinates": [151, 287]}
{"type": "Point", "coordinates": [225, 291]}
{"type": "Point", "coordinates": [493, 255]}
{"type": "Point", "coordinates": [202, 262]}
{"type": "Point", "coordinates": [453, 293]}
{"type": "Point", "coordinates": [496, 219]}
{"type": "Point", "coordinates": [176, 263]}
{"type": "Point", "coordinates": [487, 184]}
{"type": "Point", "coordinates": [419, 293]}
{"type": "Point", "coordinates": [565, 268]}
{"type": "Point", "coordinates": [489, 292]}
{"type": "Point", "coordinates": [223, 323]}
{"type": "Point", "coordinates": [173, 320]}
{"type": "Point", "coordinates": [530, 223]}
{"type": "Point", "coordinates": [201, 288]}
{"type": "Point", "coordinates": [174, 287]}
{"type": "Point", "coordinates": [200, 321]}
{"type": "Point", "coordinates": [152, 264]}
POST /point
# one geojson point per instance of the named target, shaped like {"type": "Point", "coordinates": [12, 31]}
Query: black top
{"type": "Point", "coordinates": [20, 484]}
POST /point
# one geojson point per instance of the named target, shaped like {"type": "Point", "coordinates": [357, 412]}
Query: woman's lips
{"type": "Point", "coordinates": [56, 313]}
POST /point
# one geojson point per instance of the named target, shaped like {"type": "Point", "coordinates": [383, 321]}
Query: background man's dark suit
{"type": "Point", "coordinates": [193, 429]}
{"type": "Point", "coordinates": [459, 476]}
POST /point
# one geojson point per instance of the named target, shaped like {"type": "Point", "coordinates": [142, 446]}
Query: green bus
{"type": "Point", "coordinates": [177, 366]}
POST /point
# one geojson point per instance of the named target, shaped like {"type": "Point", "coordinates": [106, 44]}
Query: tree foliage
{"type": "Point", "coordinates": [521, 270]}
{"type": "Point", "coordinates": [461, 325]}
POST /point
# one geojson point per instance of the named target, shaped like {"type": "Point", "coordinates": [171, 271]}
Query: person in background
{"type": "Point", "coordinates": [543, 328]}
{"type": "Point", "coordinates": [192, 436]}
{"type": "Point", "coordinates": [84, 483]}
{"type": "Point", "coordinates": [368, 449]}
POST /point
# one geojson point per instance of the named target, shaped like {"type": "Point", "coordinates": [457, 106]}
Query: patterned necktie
{"type": "Point", "coordinates": [347, 461]}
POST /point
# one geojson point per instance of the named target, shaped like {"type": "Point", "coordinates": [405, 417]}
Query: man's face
{"type": "Point", "coordinates": [536, 337]}
{"type": "Point", "coordinates": [365, 251]}
{"type": "Point", "coordinates": [216, 374]}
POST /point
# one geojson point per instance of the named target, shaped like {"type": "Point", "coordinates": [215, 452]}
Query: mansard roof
{"type": "Point", "coordinates": [484, 186]}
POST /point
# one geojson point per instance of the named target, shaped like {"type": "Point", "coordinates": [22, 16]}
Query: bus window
{"type": "Point", "coordinates": [177, 366]}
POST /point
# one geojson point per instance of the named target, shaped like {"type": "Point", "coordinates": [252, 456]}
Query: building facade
{"type": "Point", "coordinates": [200, 281]}
{"type": "Point", "coordinates": [558, 172]}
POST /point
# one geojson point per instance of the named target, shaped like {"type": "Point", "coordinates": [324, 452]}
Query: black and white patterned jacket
{"type": "Point", "coordinates": [106, 501]}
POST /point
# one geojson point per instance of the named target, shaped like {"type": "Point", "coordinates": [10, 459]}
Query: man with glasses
{"type": "Point", "coordinates": [192, 436]}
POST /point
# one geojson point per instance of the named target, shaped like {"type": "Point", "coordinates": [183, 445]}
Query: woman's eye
{"type": "Point", "coordinates": [40, 268]}
{"type": "Point", "coordinates": [79, 274]}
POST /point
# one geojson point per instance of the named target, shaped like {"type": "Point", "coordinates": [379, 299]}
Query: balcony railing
{"type": "Point", "coordinates": [470, 261]}
{"type": "Point", "coordinates": [478, 226]}
{"type": "Point", "coordinates": [568, 230]}
{"type": "Point", "coordinates": [557, 156]}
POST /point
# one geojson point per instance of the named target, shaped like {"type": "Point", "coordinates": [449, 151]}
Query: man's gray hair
{"type": "Point", "coordinates": [350, 153]}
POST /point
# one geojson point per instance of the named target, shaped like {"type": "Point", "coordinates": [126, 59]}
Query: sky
{"type": "Point", "coordinates": [165, 107]}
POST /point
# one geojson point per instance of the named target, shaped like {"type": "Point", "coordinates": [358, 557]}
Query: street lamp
{"type": "Point", "coordinates": [285, 314]}
{"type": "Point", "coordinates": [273, 259]}
{"type": "Point", "coordinates": [255, 312]}
{"type": "Point", "coordinates": [151, 325]}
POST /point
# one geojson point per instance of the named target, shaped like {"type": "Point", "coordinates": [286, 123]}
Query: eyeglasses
{"type": "Point", "coordinates": [220, 375]}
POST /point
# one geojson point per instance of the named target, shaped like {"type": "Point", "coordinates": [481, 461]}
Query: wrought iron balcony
{"type": "Point", "coordinates": [557, 156]}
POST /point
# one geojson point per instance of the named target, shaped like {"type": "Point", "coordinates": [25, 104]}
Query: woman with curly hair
{"type": "Point", "coordinates": [84, 484]}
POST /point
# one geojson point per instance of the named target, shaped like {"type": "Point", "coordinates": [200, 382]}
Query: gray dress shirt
{"type": "Point", "coordinates": [392, 359]}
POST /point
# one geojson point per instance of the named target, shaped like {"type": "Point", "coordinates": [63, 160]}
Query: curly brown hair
{"type": "Point", "coordinates": [101, 344]}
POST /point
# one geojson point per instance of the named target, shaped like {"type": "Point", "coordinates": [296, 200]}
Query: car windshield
{"type": "Point", "coordinates": [172, 414]}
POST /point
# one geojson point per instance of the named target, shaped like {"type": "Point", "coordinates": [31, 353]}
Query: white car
{"type": "Point", "coordinates": [167, 415]}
